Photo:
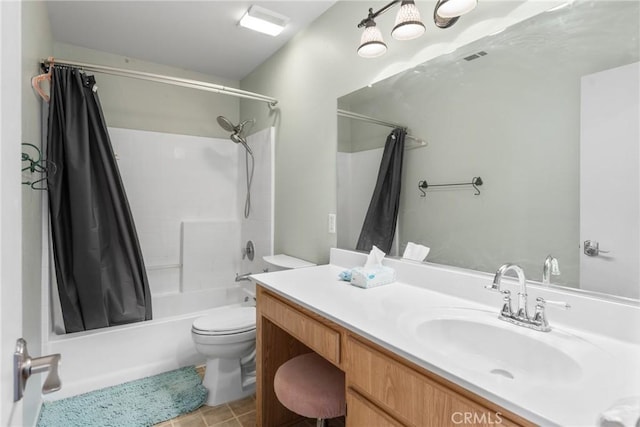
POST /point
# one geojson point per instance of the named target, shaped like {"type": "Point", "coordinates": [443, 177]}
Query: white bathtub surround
{"type": "Point", "coordinates": [356, 179]}
{"type": "Point", "coordinates": [591, 354]}
{"type": "Point", "coordinates": [357, 173]}
{"type": "Point", "coordinates": [210, 253]}
{"type": "Point", "coordinates": [182, 304]}
{"type": "Point", "coordinates": [259, 226]}
{"type": "Point", "coordinates": [170, 178]}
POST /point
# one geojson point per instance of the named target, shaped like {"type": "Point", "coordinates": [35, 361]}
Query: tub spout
{"type": "Point", "coordinates": [241, 277]}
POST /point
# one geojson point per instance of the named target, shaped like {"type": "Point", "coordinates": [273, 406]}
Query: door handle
{"type": "Point", "coordinates": [592, 248]}
{"type": "Point", "coordinates": [24, 366]}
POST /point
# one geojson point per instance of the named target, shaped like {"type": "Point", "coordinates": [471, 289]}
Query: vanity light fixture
{"type": "Point", "coordinates": [408, 24]}
{"type": "Point", "coordinates": [371, 42]}
{"type": "Point", "coordinates": [454, 8]}
{"type": "Point", "coordinates": [263, 21]}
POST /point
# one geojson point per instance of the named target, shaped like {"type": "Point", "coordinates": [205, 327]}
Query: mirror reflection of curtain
{"type": "Point", "coordinates": [99, 267]}
{"type": "Point", "coordinates": [380, 222]}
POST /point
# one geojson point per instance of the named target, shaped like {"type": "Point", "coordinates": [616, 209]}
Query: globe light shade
{"type": "Point", "coordinates": [371, 43]}
{"type": "Point", "coordinates": [408, 23]}
{"type": "Point", "coordinates": [455, 8]}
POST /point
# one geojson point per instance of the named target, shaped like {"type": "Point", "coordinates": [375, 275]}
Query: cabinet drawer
{"type": "Point", "coordinates": [361, 412]}
{"type": "Point", "coordinates": [408, 395]}
{"type": "Point", "coordinates": [314, 334]}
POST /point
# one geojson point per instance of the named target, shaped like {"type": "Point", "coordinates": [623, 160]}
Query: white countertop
{"type": "Point", "coordinates": [608, 367]}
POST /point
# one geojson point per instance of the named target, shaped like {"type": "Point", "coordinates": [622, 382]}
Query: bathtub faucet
{"type": "Point", "coordinates": [241, 277]}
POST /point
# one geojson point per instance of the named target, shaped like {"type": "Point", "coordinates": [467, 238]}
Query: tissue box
{"type": "Point", "coordinates": [372, 277]}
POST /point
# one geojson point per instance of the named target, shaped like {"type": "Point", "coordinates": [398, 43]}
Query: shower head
{"type": "Point", "coordinates": [236, 135]}
{"type": "Point", "coordinates": [226, 124]}
{"type": "Point", "coordinates": [230, 127]}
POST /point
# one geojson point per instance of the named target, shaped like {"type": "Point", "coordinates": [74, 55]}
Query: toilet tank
{"type": "Point", "coordinates": [285, 262]}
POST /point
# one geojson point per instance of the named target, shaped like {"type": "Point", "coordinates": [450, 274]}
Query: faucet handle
{"type": "Point", "coordinates": [492, 287]}
{"type": "Point", "coordinates": [496, 288]}
{"type": "Point", "coordinates": [556, 304]}
{"type": "Point", "coordinates": [506, 310]}
{"type": "Point", "coordinates": [540, 317]}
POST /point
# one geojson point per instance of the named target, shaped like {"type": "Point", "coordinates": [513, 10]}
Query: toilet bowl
{"type": "Point", "coordinates": [227, 338]}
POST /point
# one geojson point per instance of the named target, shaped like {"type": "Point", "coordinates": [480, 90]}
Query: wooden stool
{"type": "Point", "coordinates": [312, 387]}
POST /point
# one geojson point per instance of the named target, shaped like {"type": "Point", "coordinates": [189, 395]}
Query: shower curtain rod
{"type": "Point", "coordinates": [159, 78]}
{"type": "Point", "coordinates": [362, 117]}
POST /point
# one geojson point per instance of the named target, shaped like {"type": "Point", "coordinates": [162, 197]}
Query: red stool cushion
{"type": "Point", "coordinates": [310, 386]}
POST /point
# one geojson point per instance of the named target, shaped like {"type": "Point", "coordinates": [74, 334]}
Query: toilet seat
{"type": "Point", "coordinates": [226, 321]}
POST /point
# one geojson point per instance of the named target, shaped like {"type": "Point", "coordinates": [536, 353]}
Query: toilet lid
{"type": "Point", "coordinates": [227, 320]}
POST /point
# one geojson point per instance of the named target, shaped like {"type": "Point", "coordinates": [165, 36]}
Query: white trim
{"type": "Point", "coordinates": [10, 204]}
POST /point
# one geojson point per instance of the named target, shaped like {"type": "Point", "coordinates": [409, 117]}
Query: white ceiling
{"type": "Point", "coordinates": [195, 35]}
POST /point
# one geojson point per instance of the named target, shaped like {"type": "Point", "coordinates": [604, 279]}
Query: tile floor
{"type": "Point", "coordinates": [240, 413]}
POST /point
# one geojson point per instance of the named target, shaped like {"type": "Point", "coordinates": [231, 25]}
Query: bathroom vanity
{"type": "Point", "coordinates": [383, 389]}
{"type": "Point", "coordinates": [417, 352]}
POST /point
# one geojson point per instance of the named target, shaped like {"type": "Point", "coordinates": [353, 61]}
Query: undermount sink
{"type": "Point", "coordinates": [484, 344]}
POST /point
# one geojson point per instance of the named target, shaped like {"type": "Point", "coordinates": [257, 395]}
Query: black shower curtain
{"type": "Point", "coordinates": [99, 267]}
{"type": "Point", "coordinates": [380, 222]}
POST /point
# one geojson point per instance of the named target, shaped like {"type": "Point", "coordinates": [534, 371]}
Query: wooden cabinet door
{"type": "Point", "coordinates": [409, 395]}
{"type": "Point", "coordinates": [361, 412]}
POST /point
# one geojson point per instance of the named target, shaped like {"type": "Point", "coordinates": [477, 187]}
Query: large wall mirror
{"type": "Point", "coordinates": [546, 113]}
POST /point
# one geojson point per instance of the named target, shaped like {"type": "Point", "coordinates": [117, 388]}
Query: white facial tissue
{"type": "Point", "coordinates": [374, 259]}
{"type": "Point", "coordinates": [373, 273]}
{"type": "Point", "coordinates": [415, 252]}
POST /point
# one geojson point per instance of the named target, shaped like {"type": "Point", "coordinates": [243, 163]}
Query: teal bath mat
{"type": "Point", "coordinates": [137, 403]}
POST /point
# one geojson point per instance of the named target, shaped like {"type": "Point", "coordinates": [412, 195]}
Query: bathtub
{"type": "Point", "coordinates": [109, 356]}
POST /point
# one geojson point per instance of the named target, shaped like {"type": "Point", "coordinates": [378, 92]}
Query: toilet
{"type": "Point", "coordinates": [227, 338]}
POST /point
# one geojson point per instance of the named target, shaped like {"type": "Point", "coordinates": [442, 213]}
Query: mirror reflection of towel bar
{"type": "Point", "coordinates": [475, 182]}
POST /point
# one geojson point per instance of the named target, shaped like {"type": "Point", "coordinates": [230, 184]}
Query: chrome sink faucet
{"type": "Point", "coordinates": [521, 317]}
{"type": "Point", "coordinates": [550, 268]}
{"type": "Point", "coordinates": [507, 312]}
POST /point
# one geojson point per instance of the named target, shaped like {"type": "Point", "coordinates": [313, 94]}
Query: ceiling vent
{"type": "Point", "coordinates": [475, 55]}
